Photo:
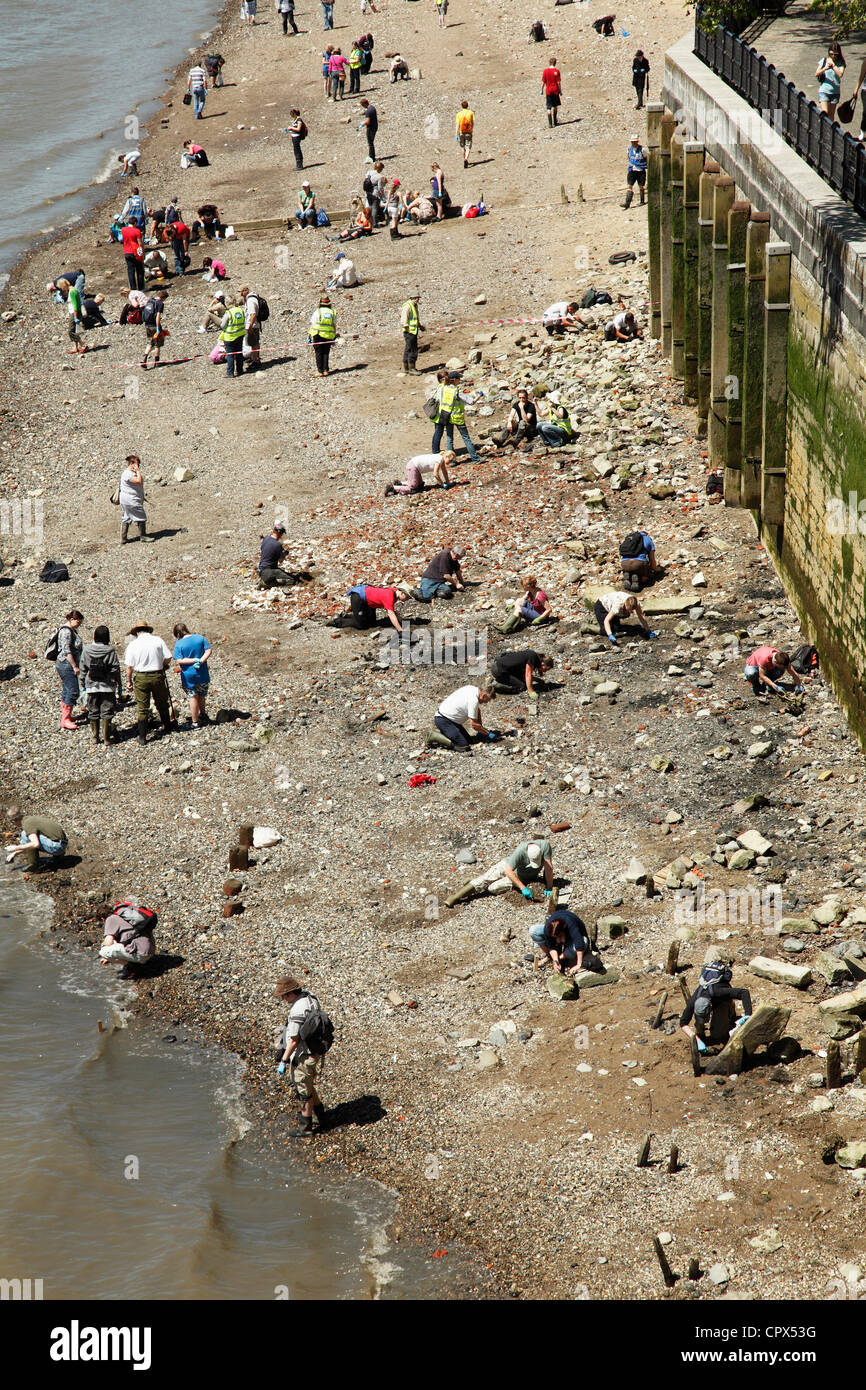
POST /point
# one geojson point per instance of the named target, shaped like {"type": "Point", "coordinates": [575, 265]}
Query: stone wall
{"type": "Point", "coordinates": [769, 340]}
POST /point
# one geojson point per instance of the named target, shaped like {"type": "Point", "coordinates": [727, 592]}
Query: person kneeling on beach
{"type": "Point", "coordinates": [513, 672]}
{"type": "Point", "coordinates": [710, 1015]}
{"type": "Point", "coordinates": [128, 937]}
{"type": "Point", "coordinates": [458, 719]}
{"type": "Point", "coordinates": [532, 859]}
{"type": "Point", "coordinates": [307, 1037]}
{"type": "Point", "coordinates": [39, 835]}
{"type": "Point", "coordinates": [564, 940]}
{"type": "Point", "coordinates": [612, 607]}
{"type": "Point", "coordinates": [420, 464]}
{"type": "Point", "coordinates": [365, 600]}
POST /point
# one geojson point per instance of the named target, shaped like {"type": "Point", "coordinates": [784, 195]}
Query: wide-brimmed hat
{"type": "Point", "coordinates": [141, 626]}
{"type": "Point", "coordinates": [287, 985]}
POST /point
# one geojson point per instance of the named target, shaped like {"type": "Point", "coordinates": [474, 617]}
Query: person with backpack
{"type": "Point", "coordinates": [307, 1037]}
{"type": "Point", "coordinates": [103, 683]}
{"type": "Point", "coordinates": [636, 171]}
{"type": "Point", "coordinates": [135, 210]}
{"type": "Point", "coordinates": [64, 650]}
{"type": "Point", "coordinates": [611, 608]}
{"type": "Point", "coordinates": [710, 1014]}
{"type": "Point", "coordinates": [298, 132]}
{"type": "Point", "coordinates": [128, 937]}
{"type": "Point", "coordinates": [155, 333]}
{"type": "Point", "coordinates": [323, 331]}
{"type": "Point", "coordinates": [366, 45]}
{"type": "Point", "coordinates": [232, 328]}
{"type": "Point", "coordinates": [465, 126]}
{"type": "Point", "coordinates": [766, 667]}
{"type": "Point", "coordinates": [564, 940]}
{"type": "Point", "coordinates": [638, 560]}
{"type": "Point", "coordinates": [450, 414]}
{"type": "Point", "coordinates": [256, 312]}
{"type": "Point", "coordinates": [39, 835]}
{"type": "Point", "coordinates": [531, 860]}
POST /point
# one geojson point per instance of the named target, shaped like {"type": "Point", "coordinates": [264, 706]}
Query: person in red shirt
{"type": "Point", "coordinates": [766, 666]}
{"type": "Point", "coordinates": [133, 250]}
{"type": "Point", "coordinates": [364, 600]}
{"type": "Point", "coordinates": [551, 86]}
{"type": "Point", "coordinates": [180, 234]}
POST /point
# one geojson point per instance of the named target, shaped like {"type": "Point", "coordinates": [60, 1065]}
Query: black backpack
{"type": "Point", "coordinates": [53, 648]}
{"type": "Point", "coordinates": [150, 311]}
{"type": "Point", "coordinates": [592, 296]}
{"type": "Point", "coordinates": [715, 483]}
{"type": "Point", "coordinates": [53, 572]}
{"type": "Point", "coordinates": [805, 660]}
{"type": "Point", "coordinates": [631, 546]}
{"type": "Point", "coordinates": [315, 1035]}
{"type": "Point", "coordinates": [368, 185]}
{"type": "Point", "coordinates": [100, 670]}
{"type": "Point", "coordinates": [303, 132]}
{"type": "Point", "coordinates": [712, 976]}
{"type": "Point", "coordinates": [264, 309]}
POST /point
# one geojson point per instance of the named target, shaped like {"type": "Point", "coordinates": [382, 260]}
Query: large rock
{"type": "Point", "coordinates": [635, 873]}
{"type": "Point", "coordinates": [651, 603]}
{"type": "Point", "coordinates": [833, 970]}
{"type": "Point", "coordinates": [608, 688]}
{"type": "Point", "coordinates": [766, 1026]}
{"type": "Point", "coordinates": [852, 1155]}
{"type": "Point", "coordinates": [590, 979]}
{"type": "Point", "coordinates": [742, 859]}
{"type": "Point", "coordinates": [614, 926]}
{"type": "Point", "coordinates": [563, 986]}
{"type": "Point", "coordinates": [782, 972]}
{"type": "Point", "coordinates": [797, 926]}
{"type": "Point", "coordinates": [841, 1026]}
{"type": "Point", "coordinates": [749, 803]}
{"type": "Point", "coordinates": [852, 1002]}
{"type": "Point", "coordinates": [753, 839]}
{"type": "Point", "coordinates": [759, 750]}
{"type": "Point", "coordinates": [830, 911]}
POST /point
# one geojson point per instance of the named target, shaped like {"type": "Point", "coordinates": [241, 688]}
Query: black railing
{"type": "Point", "coordinates": [823, 144]}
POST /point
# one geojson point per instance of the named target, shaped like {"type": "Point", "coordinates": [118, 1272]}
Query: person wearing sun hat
{"type": "Point", "coordinates": [306, 211]}
{"type": "Point", "coordinates": [147, 658]}
{"type": "Point", "coordinates": [530, 860]}
{"type": "Point", "coordinates": [214, 312]}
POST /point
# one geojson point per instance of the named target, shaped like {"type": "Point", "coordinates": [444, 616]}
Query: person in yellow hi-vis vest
{"type": "Point", "coordinates": [356, 58]}
{"type": "Point", "coordinates": [233, 327]}
{"type": "Point", "coordinates": [323, 331]}
{"type": "Point", "coordinates": [451, 413]}
{"type": "Point", "coordinates": [411, 326]}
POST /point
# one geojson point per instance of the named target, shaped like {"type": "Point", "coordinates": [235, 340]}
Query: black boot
{"type": "Point", "coordinates": [94, 724]}
{"type": "Point", "coordinates": [142, 731]}
{"type": "Point", "coordinates": [304, 1130]}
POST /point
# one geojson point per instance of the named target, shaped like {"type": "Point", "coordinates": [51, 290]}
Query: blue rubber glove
{"type": "Point", "coordinates": [612, 639]}
{"type": "Point", "coordinates": [702, 1047]}
{"type": "Point", "coordinates": [281, 1069]}
{"type": "Point", "coordinates": [197, 664]}
{"type": "Point", "coordinates": [799, 689]}
{"type": "Point", "coordinates": [652, 634]}
{"type": "Point", "coordinates": [491, 736]}
{"type": "Point", "coordinates": [547, 892]}
{"type": "Point", "coordinates": [527, 893]}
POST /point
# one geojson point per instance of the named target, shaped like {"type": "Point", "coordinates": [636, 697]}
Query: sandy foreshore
{"type": "Point", "coordinates": [522, 1150]}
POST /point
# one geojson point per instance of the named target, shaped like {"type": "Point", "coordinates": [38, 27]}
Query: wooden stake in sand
{"type": "Point", "coordinates": [860, 1053]}
{"type": "Point", "coordinates": [694, 1270]}
{"type": "Point", "coordinates": [657, 1021]}
{"type": "Point", "coordinates": [684, 986]}
{"type": "Point", "coordinates": [697, 1070]}
{"type": "Point", "coordinates": [667, 1273]}
{"type": "Point", "coordinates": [643, 1156]}
{"type": "Point", "coordinates": [673, 958]}
{"type": "Point", "coordinates": [245, 835]}
{"type": "Point", "coordinates": [674, 1160]}
{"type": "Point", "coordinates": [833, 1069]}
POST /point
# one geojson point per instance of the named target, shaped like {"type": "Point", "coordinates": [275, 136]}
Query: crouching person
{"type": "Point", "coordinates": [458, 719]}
{"type": "Point", "coordinates": [39, 835]}
{"type": "Point", "coordinates": [531, 860]}
{"type": "Point", "coordinates": [128, 937]}
{"type": "Point", "coordinates": [710, 1015]}
{"type": "Point", "coordinates": [306, 1038]}
{"type": "Point", "coordinates": [564, 940]}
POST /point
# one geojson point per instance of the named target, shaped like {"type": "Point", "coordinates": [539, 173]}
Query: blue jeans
{"type": "Point", "coordinates": [69, 682]}
{"type": "Point", "coordinates": [177, 248]}
{"type": "Point", "coordinates": [198, 100]}
{"type": "Point", "coordinates": [449, 435]}
{"type": "Point", "coordinates": [235, 357]}
{"type": "Point", "coordinates": [47, 846]}
{"type": "Point", "coordinates": [552, 434]}
{"type": "Point", "coordinates": [455, 732]}
{"type": "Point", "coordinates": [435, 588]}
{"type": "Point", "coordinates": [328, 15]}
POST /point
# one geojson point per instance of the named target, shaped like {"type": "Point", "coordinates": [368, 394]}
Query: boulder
{"type": "Point", "coordinates": [264, 837]}
{"type": "Point", "coordinates": [635, 873]}
{"type": "Point", "coordinates": [852, 1002]}
{"type": "Point", "coordinates": [742, 859]}
{"type": "Point", "coordinates": [759, 750]}
{"type": "Point", "coordinates": [488, 1057]}
{"type": "Point", "coordinates": [465, 856]}
{"type": "Point", "coordinates": [454, 364]}
{"type": "Point", "coordinates": [591, 979]}
{"type": "Point", "coordinates": [827, 913]}
{"type": "Point", "coordinates": [563, 986]}
{"type": "Point", "coordinates": [782, 972]}
{"type": "Point", "coordinates": [651, 603]}
{"type": "Point", "coordinates": [661, 764]}
{"type": "Point", "coordinates": [852, 1155]}
{"type": "Point", "coordinates": [833, 970]}
{"type": "Point", "coordinates": [797, 925]}
{"type": "Point", "coordinates": [661, 491]}
{"type": "Point", "coordinates": [183, 475]}
{"type": "Point", "coordinates": [766, 1026]}
{"type": "Point", "coordinates": [608, 688]}
{"type": "Point", "coordinates": [841, 1026]}
{"type": "Point", "coordinates": [767, 1241]}
{"type": "Point", "coordinates": [614, 926]}
{"type": "Point", "coordinates": [748, 804]}
{"type": "Point", "coordinates": [753, 839]}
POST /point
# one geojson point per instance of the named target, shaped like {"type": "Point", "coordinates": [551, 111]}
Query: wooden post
{"type": "Point", "coordinates": [705, 290]}
{"type": "Point", "coordinates": [245, 835]}
{"type": "Point", "coordinates": [723, 197]}
{"type": "Point", "coordinates": [673, 958]}
{"type": "Point", "coordinates": [695, 1057]}
{"type": "Point", "coordinates": [860, 1054]}
{"type": "Point", "coordinates": [657, 1021]}
{"type": "Point", "coordinates": [683, 983]}
{"type": "Point", "coordinates": [738, 221]}
{"type": "Point", "coordinates": [666, 130]}
{"type": "Point", "coordinates": [757, 236]}
{"type": "Point", "coordinates": [674, 1160]}
{"type": "Point", "coordinates": [677, 163]}
{"type": "Point", "coordinates": [777, 309]}
{"type": "Point", "coordinates": [238, 858]}
{"type": "Point", "coordinates": [667, 1273]}
{"type": "Point", "coordinates": [693, 157]}
{"type": "Point", "coordinates": [654, 113]}
{"type": "Point", "coordinates": [833, 1069]}
{"type": "Point", "coordinates": [643, 1156]}
{"type": "Point", "coordinates": [694, 1270]}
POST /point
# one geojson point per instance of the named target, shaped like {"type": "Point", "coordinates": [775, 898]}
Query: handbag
{"type": "Point", "coordinates": [187, 98]}
{"type": "Point", "coordinates": [114, 499]}
{"type": "Point", "coordinates": [845, 111]}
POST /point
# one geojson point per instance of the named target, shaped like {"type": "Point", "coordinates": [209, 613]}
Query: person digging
{"type": "Point", "coordinates": [531, 860]}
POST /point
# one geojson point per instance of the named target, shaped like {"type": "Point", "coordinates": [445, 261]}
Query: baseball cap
{"type": "Point", "coordinates": [534, 855]}
{"type": "Point", "coordinates": [340, 256]}
{"type": "Point", "coordinates": [306, 183]}
{"type": "Point", "coordinates": [278, 526]}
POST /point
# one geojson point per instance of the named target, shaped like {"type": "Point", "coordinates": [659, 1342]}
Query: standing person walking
{"type": "Point", "coordinates": [551, 88]}
{"type": "Point", "coordinates": [465, 127]}
{"type": "Point", "coordinates": [411, 326]}
{"type": "Point", "coordinates": [196, 85]}
{"type": "Point", "coordinates": [441, 8]}
{"type": "Point", "coordinates": [639, 76]}
{"type": "Point", "coordinates": [636, 172]}
{"type": "Point", "coordinates": [356, 60]}
{"type": "Point", "coordinates": [830, 72]}
{"type": "Point", "coordinates": [75, 314]}
{"type": "Point", "coordinates": [298, 132]}
{"type": "Point", "coordinates": [327, 14]}
{"type": "Point", "coordinates": [191, 653]}
{"type": "Point", "coordinates": [66, 664]}
{"type": "Point", "coordinates": [131, 494]}
{"type": "Point", "coordinates": [307, 1037]}
{"type": "Point", "coordinates": [451, 415]}
{"type": "Point", "coordinates": [252, 326]}
{"type": "Point", "coordinates": [133, 250]}
{"type": "Point", "coordinates": [323, 331]}
{"type": "Point", "coordinates": [369, 124]}
{"type": "Point", "coordinates": [147, 659]}
{"type": "Point", "coordinates": [336, 74]}
{"type": "Point", "coordinates": [233, 328]}
{"type": "Point", "coordinates": [286, 8]}
{"type": "Point", "coordinates": [103, 683]}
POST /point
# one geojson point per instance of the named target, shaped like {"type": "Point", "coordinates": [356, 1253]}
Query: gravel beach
{"type": "Point", "coordinates": [509, 1122]}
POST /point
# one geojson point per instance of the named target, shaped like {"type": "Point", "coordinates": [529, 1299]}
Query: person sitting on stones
{"type": "Point", "coordinates": [564, 940]}
{"type": "Point", "coordinates": [443, 576]}
{"type": "Point", "coordinates": [271, 557]}
{"type": "Point", "coordinates": [710, 1016]}
{"type": "Point", "coordinates": [513, 672]}
{"type": "Point", "coordinates": [522, 423]}
{"type": "Point", "coordinates": [532, 608]}
{"type": "Point", "coordinates": [531, 860]}
{"type": "Point", "coordinates": [537, 31]}
{"type": "Point", "coordinates": [766, 667]}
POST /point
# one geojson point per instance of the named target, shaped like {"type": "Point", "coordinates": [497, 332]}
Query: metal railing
{"type": "Point", "coordinates": [835, 155]}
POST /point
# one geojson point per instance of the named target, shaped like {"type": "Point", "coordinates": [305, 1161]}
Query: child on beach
{"type": "Point", "coordinates": [214, 270]}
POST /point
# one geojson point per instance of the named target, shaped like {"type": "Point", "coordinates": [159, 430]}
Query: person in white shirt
{"type": "Point", "coordinates": [562, 317]}
{"type": "Point", "coordinates": [129, 162]}
{"type": "Point", "coordinates": [253, 329]}
{"type": "Point", "coordinates": [304, 1066]}
{"type": "Point", "coordinates": [622, 328]}
{"type": "Point", "coordinates": [196, 85]}
{"type": "Point", "coordinates": [612, 607]}
{"type": "Point", "coordinates": [345, 274]}
{"type": "Point", "coordinates": [460, 712]}
{"type": "Point", "coordinates": [437, 464]}
{"type": "Point", "coordinates": [147, 659]}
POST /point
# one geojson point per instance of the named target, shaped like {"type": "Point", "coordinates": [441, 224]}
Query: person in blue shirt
{"type": "Point", "coordinates": [191, 652]}
{"type": "Point", "coordinates": [637, 556]}
{"type": "Point", "coordinates": [636, 172]}
{"type": "Point", "coordinates": [564, 939]}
